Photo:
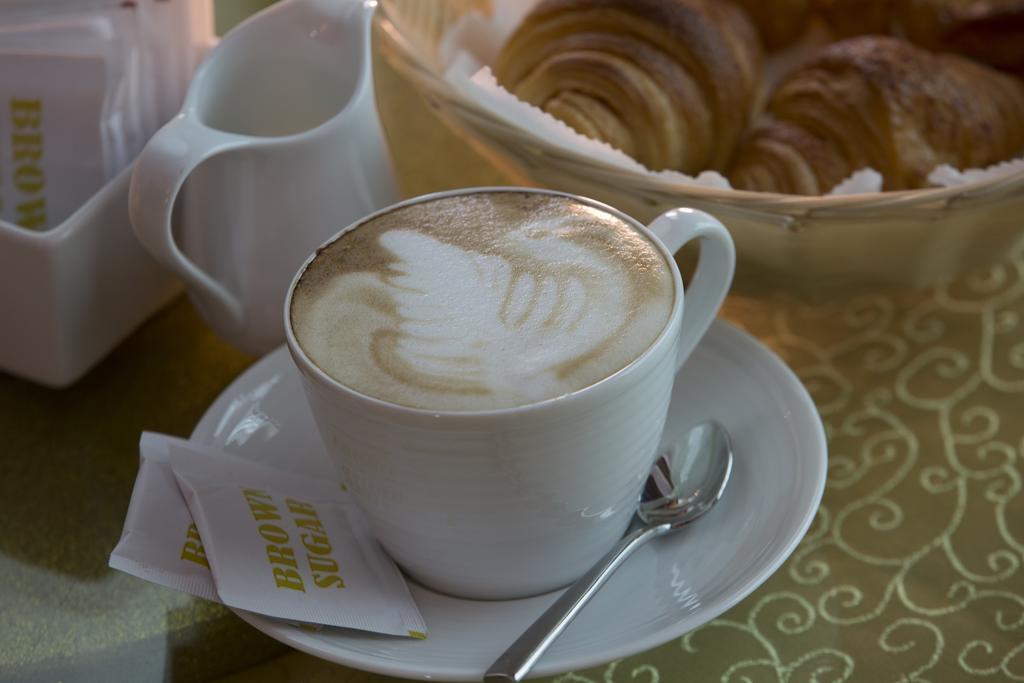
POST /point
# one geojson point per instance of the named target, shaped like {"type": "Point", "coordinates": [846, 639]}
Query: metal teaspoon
{"type": "Point", "coordinates": [684, 484]}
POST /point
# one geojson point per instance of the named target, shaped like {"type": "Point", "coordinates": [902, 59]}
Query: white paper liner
{"type": "Point", "coordinates": [864, 180]}
{"type": "Point", "coordinates": [947, 176]}
{"type": "Point", "coordinates": [471, 46]}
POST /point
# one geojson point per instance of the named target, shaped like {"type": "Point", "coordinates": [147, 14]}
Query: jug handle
{"type": "Point", "coordinates": [160, 170]}
{"type": "Point", "coordinates": [715, 266]}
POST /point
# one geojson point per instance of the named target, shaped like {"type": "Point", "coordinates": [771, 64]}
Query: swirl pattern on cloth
{"type": "Point", "coordinates": [913, 569]}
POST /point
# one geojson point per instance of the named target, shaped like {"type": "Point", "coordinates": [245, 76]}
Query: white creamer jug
{"type": "Point", "coordinates": [281, 145]}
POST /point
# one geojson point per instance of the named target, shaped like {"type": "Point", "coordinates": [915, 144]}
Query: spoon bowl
{"type": "Point", "coordinates": [684, 484]}
{"type": "Point", "coordinates": [689, 478]}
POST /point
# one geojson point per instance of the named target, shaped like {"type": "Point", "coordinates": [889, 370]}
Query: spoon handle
{"type": "Point", "coordinates": [513, 665]}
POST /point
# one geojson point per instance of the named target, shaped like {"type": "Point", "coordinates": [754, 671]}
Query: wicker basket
{"type": "Point", "coordinates": [814, 246]}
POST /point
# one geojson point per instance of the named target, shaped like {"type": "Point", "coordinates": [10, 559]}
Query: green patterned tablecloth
{"type": "Point", "coordinates": [911, 571]}
{"type": "Point", "coordinates": [912, 568]}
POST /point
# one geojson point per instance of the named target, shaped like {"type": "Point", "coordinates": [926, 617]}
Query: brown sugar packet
{"type": "Point", "coordinates": [291, 547]}
{"type": "Point", "coordinates": [160, 543]}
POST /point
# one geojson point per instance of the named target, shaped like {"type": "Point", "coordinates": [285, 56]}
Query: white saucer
{"type": "Point", "coordinates": [667, 588]}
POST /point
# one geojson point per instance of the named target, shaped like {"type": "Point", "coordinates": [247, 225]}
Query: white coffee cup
{"type": "Point", "coordinates": [518, 501]}
{"type": "Point", "coordinates": [280, 135]}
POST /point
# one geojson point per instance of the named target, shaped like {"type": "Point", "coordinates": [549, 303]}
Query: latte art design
{"type": "Point", "coordinates": [459, 316]}
{"type": "Point", "coordinates": [447, 316]}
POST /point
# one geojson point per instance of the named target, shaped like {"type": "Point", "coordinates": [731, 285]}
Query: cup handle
{"type": "Point", "coordinates": [160, 170]}
{"type": "Point", "coordinates": [715, 266]}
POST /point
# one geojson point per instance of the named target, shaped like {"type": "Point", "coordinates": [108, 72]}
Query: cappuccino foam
{"type": "Point", "coordinates": [482, 301]}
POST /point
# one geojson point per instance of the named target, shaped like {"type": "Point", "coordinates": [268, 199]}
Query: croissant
{"type": "Point", "coordinates": [846, 18]}
{"type": "Point", "coordinates": [672, 83]}
{"type": "Point", "coordinates": [990, 31]}
{"type": "Point", "coordinates": [883, 103]}
{"type": "Point", "coordinates": [780, 22]}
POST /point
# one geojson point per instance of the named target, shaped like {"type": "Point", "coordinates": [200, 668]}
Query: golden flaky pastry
{"type": "Point", "coordinates": [989, 31]}
{"type": "Point", "coordinates": [883, 103]}
{"type": "Point", "coordinates": [672, 83]}
{"type": "Point", "coordinates": [780, 22]}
